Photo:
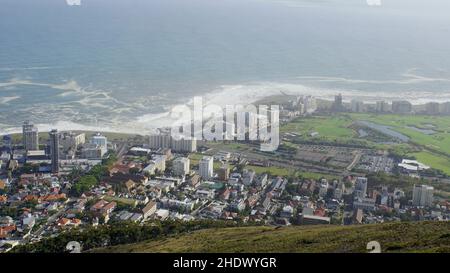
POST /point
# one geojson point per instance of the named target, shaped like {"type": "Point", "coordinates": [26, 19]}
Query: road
{"type": "Point", "coordinates": [122, 149]}
{"type": "Point", "coordinates": [50, 220]}
{"type": "Point", "coordinates": [194, 212]}
{"type": "Point", "coordinates": [354, 162]}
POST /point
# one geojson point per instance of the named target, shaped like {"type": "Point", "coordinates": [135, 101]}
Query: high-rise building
{"type": "Point", "coordinates": [99, 140]}
{"type": "Point", "coordinates": [361, 187]}
{"type": "Point", "coordinates": [357, 106]}
{"type": "Point", "coordinates": [422, 195]}
{"type": "Point", "coordinates": [224, 173]}
{"type": "Point", "coordinates": [165, 140]}
{"type": "Point", "coordinates": [54, 150]}
{"type": "Point", "coordinates": [445, 108]}
{"type": "Point", "coordinates": [306, 104]}
{"type": "Point", "coordinates": [93, 151]}
{"type": "Point", "coordinates": [181, 166]}
{"type": "Point", "coordinates": [206, 167]}
{"type": "Point", "coordinates": [432, 108]}
{"type": "Point", "coordinates": [160, 141]}
{"type": "Point", "coordinates": [184, 145]}
{"type": "Point", "coordinates": [339, 190]}
{"type": "Point", "coordinates": [338, 105]}
{"type": "Point", "coordinates": [401, 107]}
{"type": "Point", "coordinates": [70, 140]}
{"type": "Point", "coordinates": [96, 148]}
{"type": "Point", "coordinates": [30, 136]}
{"type": "Point", "coordinates": [310, 104]}
{"type": "Point", "coordinates": [382, 107]}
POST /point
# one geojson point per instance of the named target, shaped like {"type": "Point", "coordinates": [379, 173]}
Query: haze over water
{"type": "Point", "coordinates": [121, 64]}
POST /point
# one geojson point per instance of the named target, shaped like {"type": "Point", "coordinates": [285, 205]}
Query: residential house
{"type": "Point", "coordinates": [149, 209]}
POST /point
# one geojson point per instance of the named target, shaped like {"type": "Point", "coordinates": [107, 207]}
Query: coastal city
{"type": "Point", "coordinates": [224, 136]}
{"type": "Point", "coordinates": [53, 182]}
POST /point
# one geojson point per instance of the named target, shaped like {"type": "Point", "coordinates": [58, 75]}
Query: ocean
{"type": "Point", "coordinates": [120, 65]}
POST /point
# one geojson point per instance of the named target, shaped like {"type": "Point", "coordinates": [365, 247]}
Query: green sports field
{"type": "Point", "coordinates": [429, 136]}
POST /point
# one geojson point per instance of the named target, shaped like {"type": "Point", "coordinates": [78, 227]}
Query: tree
{"type": "Point", "coordinates": [134, 170]}
{"type": "Point", "coordinates": [109, 162]}
{"type": "Point", "coordinates": [84, 184]}
{"type": "Point", "coordinates": [99, 171]}
{"type": "Point", "coordinates": [74, 173]}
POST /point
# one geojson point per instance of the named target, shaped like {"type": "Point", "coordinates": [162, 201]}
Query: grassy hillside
{"type": "Point", "coordinates": [393, 237]}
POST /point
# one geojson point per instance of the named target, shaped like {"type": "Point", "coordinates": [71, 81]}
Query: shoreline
{"type": "Point", "coordinates": [112, 136]}
{"type": "Point", "coordinates": [261, 93]}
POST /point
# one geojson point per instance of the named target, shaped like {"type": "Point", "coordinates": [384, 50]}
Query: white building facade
{"type": "Point", "coordinates": [206, 167]}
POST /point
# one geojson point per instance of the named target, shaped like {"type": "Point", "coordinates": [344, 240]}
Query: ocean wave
{"type": "Point", "coordinates": [251, 93]}
{"type": "Point", "coordinates": [66, 126]}
{"type": "Point", "coordinates": [88, 97]}
{"type": "Point", "coordinates": [408, 78]}
{"type": "Point", "coordinates": [101, 111]}
{"type": "Point", "coordinates": [29, 68]}
{"type": "Point", "coordinates": [238, 94]}
{"type": "Point", "coordinates": [6, 100]}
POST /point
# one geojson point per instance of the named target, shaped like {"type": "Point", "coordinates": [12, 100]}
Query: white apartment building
{"type": "Point", "coordinates": [165, 140]}
{"type": "Point", "coordinates": [361, 187]}
{"type": "Point", "coordinates": [423, 195]}
{"type": "Point", "coordinates": [184, 145]}
{"type": "Point", "coordinates": [99, 140]}
{"type": "Point", "coordinates": [160, 141]}
{"type": "Point", "coordinates": [206, 167]}
{"type": "Point", "coordinates": [71, 140]}
{"type": "Point", "coordinates": [30, 137]}
{"type": "Point", "coordinates": [158, 163]}
{"type": "Point", "coordinates": [181, 166]}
